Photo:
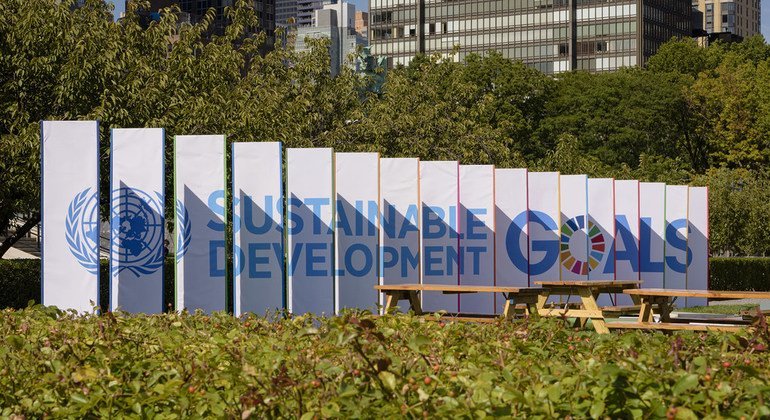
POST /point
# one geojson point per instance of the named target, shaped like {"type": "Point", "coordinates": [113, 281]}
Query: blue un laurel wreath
{"type": "Point", "coordinates": [81, 229]}
{"type": "Point", "coordinates": [137, 231]}
{"type": "Point", "coordinates": [184, 230]}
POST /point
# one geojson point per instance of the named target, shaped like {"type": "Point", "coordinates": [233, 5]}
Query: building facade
{"type": "Point", "coordinates": [337, 22]}
{"type": "Point", "coordinates": [362, 23]}
{"type": "Point", "coordinates": [738, 17]}
{"type": "Point", "coordinates": [551, 35]}
{"type": "Point", "coordinates": [196, 9]}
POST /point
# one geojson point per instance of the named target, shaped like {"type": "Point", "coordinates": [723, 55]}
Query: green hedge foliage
{"type": "Point", "coordinates": [20, 280]}
{"type": "Point", "coordinates": [20, 283]}
{"type": "Point", "coordinates": [357, 365]}
{"type": "Point", "coordinates": [744, 274]}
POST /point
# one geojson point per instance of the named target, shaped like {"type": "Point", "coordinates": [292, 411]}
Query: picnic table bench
{"type": "Point", "coordinates": [513, 295]}
{"type": "Point", "coordinates": [588, 291]}
{"type": "Point", "coordinates": [664, 300]}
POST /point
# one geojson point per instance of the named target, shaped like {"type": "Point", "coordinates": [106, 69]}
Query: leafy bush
{"type": "Point", "coordinates": [357, 365]}
{"type": "Point", "coordinates": [744, 274]}
{"type": "Point", "coordinates": [20, 283]}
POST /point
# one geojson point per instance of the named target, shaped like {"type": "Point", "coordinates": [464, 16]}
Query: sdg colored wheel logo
{"type": "Point", "coordinates": [596, 246]}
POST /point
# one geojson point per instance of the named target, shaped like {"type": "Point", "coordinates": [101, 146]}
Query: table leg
{"type": "Point", "coordinates": [645, 310]}
{"type": "Point", "coordinates": [587, 296]}
{"type": "Point", "coordinates": [665, 306]}
{"type": "Point", "coordinates": [542, 299]}
{"type": "Point", "coordinates": [510, 307]}
{"type": "Point", "coordinates": [414, 302]}
{"type": "Point", "coordinates": [392, 300]}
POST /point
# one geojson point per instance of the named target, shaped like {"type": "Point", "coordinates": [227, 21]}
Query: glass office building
{"type": "Point", "coordinates": [551, 35]}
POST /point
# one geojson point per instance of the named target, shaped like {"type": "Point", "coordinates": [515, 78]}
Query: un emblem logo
{"type": "Point", "coordinates": [81, 229]}
{"type": "Point", "coordinates": [137, 231]}
{"type": "Point", "coordinates": [184, 230]}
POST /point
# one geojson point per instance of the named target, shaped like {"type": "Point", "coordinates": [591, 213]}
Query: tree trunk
{"type": "Point", "coordinates": [20, 232]}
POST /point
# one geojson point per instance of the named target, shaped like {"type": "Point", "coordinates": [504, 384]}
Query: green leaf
{"type": "Point", "coordinates": [388, 379]}
{"type": "Point", "coordinates": [685, 383]}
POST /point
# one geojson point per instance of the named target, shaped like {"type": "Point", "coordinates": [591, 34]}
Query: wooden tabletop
{"type": "Point", "coordinates": [457, 288]}
{"type": "Point", "coordinates": [711, 294]}
{"type": "Point", "coordinates": [590, 283]}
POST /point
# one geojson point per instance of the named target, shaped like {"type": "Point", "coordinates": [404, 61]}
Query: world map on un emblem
{"type": "Point", "coordinates": [137, 231]}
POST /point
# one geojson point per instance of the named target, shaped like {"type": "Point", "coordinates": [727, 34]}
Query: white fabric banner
{"type": "Point", "coordinates": [477, 236]}
{"type": "Point", "coordinates": [601, 233]}
{"type": "Point", "coordinates": [258, 263]}
{"type": "Point", "coordinates": [601, 227]}
{"type": "Point", "coordinates": [626, 234]}
{"type": "Point", "coordinates": [573, 249]}
{"type": "Point", "coordinates": [310, 244]}
{"type": "Point", "coordinates": [698, 242]}
{"type": "Point", "coordinates": [199, 190]}
{"type": "Point", "coordinates": [652, 216]}
{"type": "Point", "coordinates": [440, 239]}
{"type": "Point", "coordinates": [627, 230]}
{"type": "Point", "coordinates": [511, 230]}
{"type": "Point", "coordinates": [357, 230]}
{"type": "Point", "coordinates": [400, 234]}
{"type": "Point", "coordinates": [70, 214]}
{"type": "Point", "coordinates": [676, 237]}
{"type": "Point", "coordinates": [544, 216]}
{"type": "Point", "coordinates": [137, 219]}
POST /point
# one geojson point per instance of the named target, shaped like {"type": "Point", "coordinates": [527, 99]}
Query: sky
{"type": "Point", "coordinates": [364, 5]}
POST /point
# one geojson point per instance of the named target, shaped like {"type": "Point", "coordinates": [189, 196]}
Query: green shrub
{"type": "Point", "coordinates": [361, 366]}
{"type": "Point", "coordinates": [744, 274]}
{"type": "Point", "coordinates": [20, 283]}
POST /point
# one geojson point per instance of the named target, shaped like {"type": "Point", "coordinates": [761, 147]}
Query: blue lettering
{"type": "Point", "coordinates": [368, 260]}
{"type": "Point", "coordinates": [254, 260]}
{"type": "Point", "coordinates": [214, 269]}
{"type": "Point", "coordinates": [550, 246]}
{"type": "Point", "coordinates": [311, 259]}
{"type": "Point", "coordinates": [630, 252]}
{"type": "Point", "coordinates": [218, 209]}
{"type": "Point", "coordinates": [645, 244]}
{"type": "Point", "coordinates": [248, 215]}
{"type": "Point", "coordinates": [472, 222]}
{"type": "Point", "coordinates": [432, 219]}
{"type": "Point", "coordinates": [512, 238]}
{"type": "Point", "coordinates": [677, 242]}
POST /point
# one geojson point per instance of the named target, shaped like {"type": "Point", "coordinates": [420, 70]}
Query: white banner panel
{"type": "Point", "coordinates": [137, 220]}
{"type": "Point", "coordinates": [258, 263]}
{"type": "Point", "coordinates": [627, 230]}
{"type": "Point", "coordinates": [310, 244]}
{"type": "Point", "coordinates": [573, 249]}
{"type": "Point", "coordinates": [511, 230]}
{"type": "Point", "coordinates": [199, 190]}
{"type": "Point", "coordinates": [357, 230]}
{"type": "Point", "coordinates": [544, 216]}
{"type": "Point", "coordinates": [601, 227]}
{"type": "Point", "coordinates": [626, 234]}
{"type": "Point", "coordinates": [440, 240]}
{"type": "Point", "coordinates": [652, 216]}
{"type": "Point", "coordinates": [477, 236]}
{"type": "Point", "coordinates": [601, 232]}
{"type": "Point", "coordinates": [400, 234]}
{"type": "Point", "coordinates": [676, 237]}
{"type": "Point", "coordinates": [698, 242]}
{"type": "Point", "coordinates": [70, 214]}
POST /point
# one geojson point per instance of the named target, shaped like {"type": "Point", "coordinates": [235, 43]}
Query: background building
{"type": "Point", "coordinates": [550, 35]}
{"type": "Point", "coordinates": [196, 9]}
{"type": "Point", "coordinates": [362, 23]}
{"type": "Point", "coordinates": [337, 22]}
{"type": "Point", "coordinates": [739, 17]}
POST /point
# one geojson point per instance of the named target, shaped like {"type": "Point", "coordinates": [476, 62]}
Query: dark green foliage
{"type": "Point", "coordinates": [20, 283]}
{"type": "Point", "coordinates": [744, 274]}
{"type": "Point", "coordinates": [360, 366]}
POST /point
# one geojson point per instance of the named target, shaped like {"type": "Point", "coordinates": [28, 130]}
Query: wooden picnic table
{"type": "Point", "coordinates": [588, 291]}
{"type": "Point", "coordinates": [664, 300]}
{"type": "Point", "coordinates": [513, 295]}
